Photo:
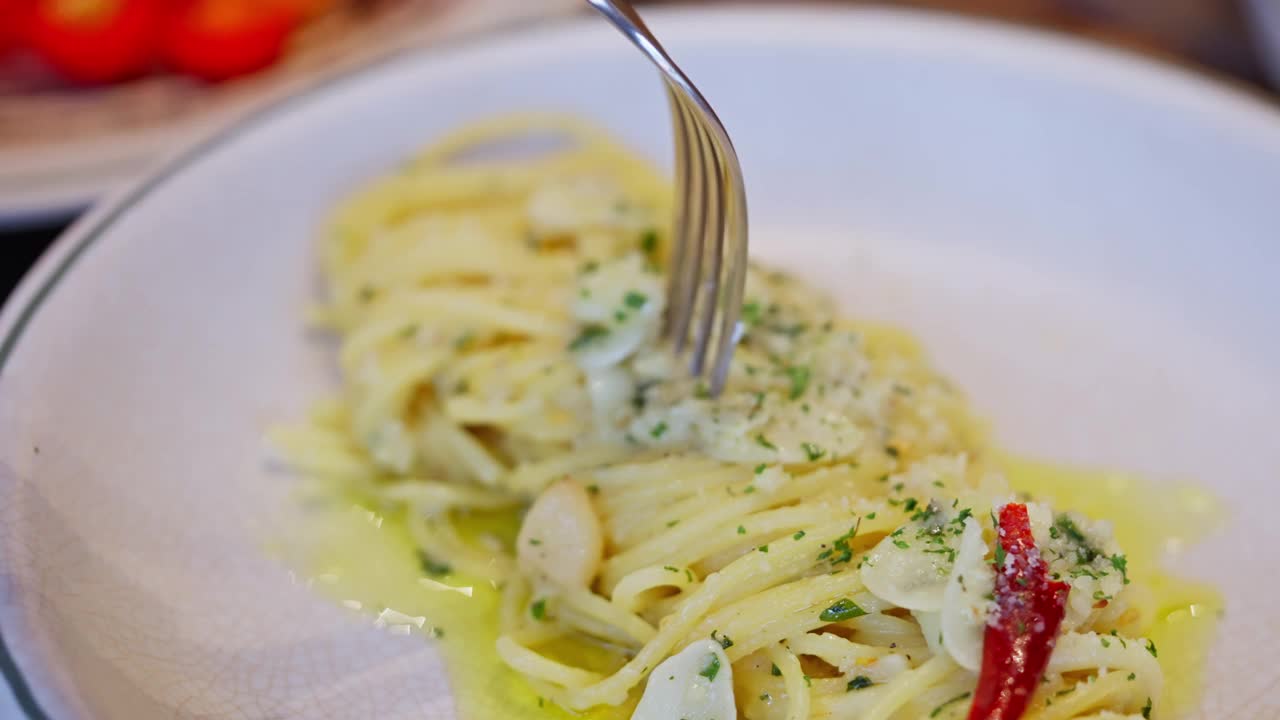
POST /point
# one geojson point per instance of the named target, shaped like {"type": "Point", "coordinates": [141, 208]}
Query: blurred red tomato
{"type": "Point", "coordinates": [9, 21]}
{"type": "Point", "coordinates": [95, 41]}
{"type": "Point", "coordinates": [218, 40]}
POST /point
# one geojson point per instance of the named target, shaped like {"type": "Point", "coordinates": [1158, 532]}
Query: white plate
{"type": "Point", "coordinates": [1087, 242]}
{"type": "Point", "coordinates": [49, 183]}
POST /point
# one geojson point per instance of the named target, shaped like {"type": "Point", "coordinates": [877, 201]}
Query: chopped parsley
{"type": "Point", "coordinates": [751, 313]}
{"type": "Point", "coordinates": [712, 668]}
{"type": "Point", "coordinates": [1146, 709]}
{"type": "Point", "coordinates": [535, 542]}
{"type": "Point", "coordinates": [588, 335]}
{"type": "Point", "coordinates": [763, 548]}
{"type": "Point", "coordinates": [811, 451]}
{"type": "Point", "coordinates": [1084, 551]}
{"type": "Point", "coordinates": [1151, 648]}
{"type": "Point", "coordinates": [539, 609]}
{"type": "Point", "coordinates": [1000, 554]}
{"type": "Point", "coordinates": [843, 609]}
{"type": "Point", "coordinates": [761, 468]}
{"type": "Point", "coordinates": [773, 670]}
{"type": "Point", "coordinates": [902, 544]}
{"type": "Point", "coordinates": [799, 534]}
{"type": "Point", "coordinates": [724, 640]}
{"type": "Point", "coordinates": [799, 377]}
{"type": "Point", "coordinates": [649, 242]}
{"type": "Point", "coordinates": [1121, 563]}
{"type": "Point", "coordinates": [635, 300]}
{"type": "Point", "coordinates": [431, 566]}
{"type": "Point", "coordinates": [763, 442]}
{"type": "Point", "coordinates": [859, 682]}
{"type": "Point", "coordinates": [742, 530]}
{"type": "Point", "coordinates": [659, 429]}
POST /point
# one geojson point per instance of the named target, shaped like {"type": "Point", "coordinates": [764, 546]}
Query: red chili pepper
{"type": "Point", "coordinates": [1019, 640]}
{"type": "Point", "coordinates": [95, 41]}
{"type": "Point", "coordinates": [218, 40]}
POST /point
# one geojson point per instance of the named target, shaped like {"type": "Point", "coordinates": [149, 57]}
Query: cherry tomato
{"type": "Point", "coordinates": [217, 40]}
{"type": "Point", "coordinates": [10, 19]}
{"type": "Point", "coordinates": [95, 41]}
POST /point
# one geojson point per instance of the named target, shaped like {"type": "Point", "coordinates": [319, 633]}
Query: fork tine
{"type": "Point", "coordinates": [681, 229]}
{"type": "Point", "coordinates": [711, 246]}
{"type": "Point", "coordinates": [736, 237]}
{"type": "Point", "coordinates": [682, 303]}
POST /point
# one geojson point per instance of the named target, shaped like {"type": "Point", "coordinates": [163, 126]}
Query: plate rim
{"type": "Point", "coordinates": [1169, 84]}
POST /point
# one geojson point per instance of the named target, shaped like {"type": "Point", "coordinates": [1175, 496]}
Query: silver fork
{"type": "Point", "coordinates": [707, 271]}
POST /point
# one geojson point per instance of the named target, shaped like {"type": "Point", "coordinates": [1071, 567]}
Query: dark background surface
{"type": "Point", "coordinates": [1208, 35]}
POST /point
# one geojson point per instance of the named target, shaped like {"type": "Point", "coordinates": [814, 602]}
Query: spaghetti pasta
{"type": "Point", "coordinates": [829, 521]}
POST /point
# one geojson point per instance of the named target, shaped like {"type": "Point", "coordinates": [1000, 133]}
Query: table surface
{"type": "Point", "coordinates": [1203, 34]}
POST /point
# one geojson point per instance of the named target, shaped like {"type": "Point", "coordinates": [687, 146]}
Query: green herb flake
{"type": "Point", "coordinates": [649, 242]}
{"type": "Point", "coordinates": [658, 430]}
{"type": "Point", "coordinates": [799, 377]}
{"type": "Point", "coordinates": [588, 335]}
{"type": "Point", "coordinates": [763, 442]}
{"type": "Point", "coordinates": [774, 670]}
{"type": "Point", "coordinates": [903, 544]}
{"type": "Point", "coordinates": [813, 452]}
{"type": "Point", "coordinates": [635, 300]}
{"type": "Point", "coordinates": [742, 530]}
{"type": "Point", "coordinates": [539, 609]}
{"type": "Point", "coordinates": [763, 548]}
{"type": "Point", "coordinates": [535, 542]}
{"type": "Point", "coordinates": [1000, 555]}
{"type": "Point", "coordinates": [843, 609]}
{"type": "Point", "coordinates": [1146, 710]}
{"type": "Point", "coordinates": [871, 516]}
{"type": "Point", "coordinates": [799, 534]}
{"type": "Point", "coordinates": [859, 682]}
{"type": "Point", "coordinates": [712, 668]}
{"type": "Point", "coordinates": [1121, 563]}
{"type": "Point", "coordinates": [431, 566]}
{"type": "Point", "coordinates": [1151, 648]}
{"type": "Point", "coordinates": [761, 468]}
{"type": "Point", "coordinates": [724, 640]}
